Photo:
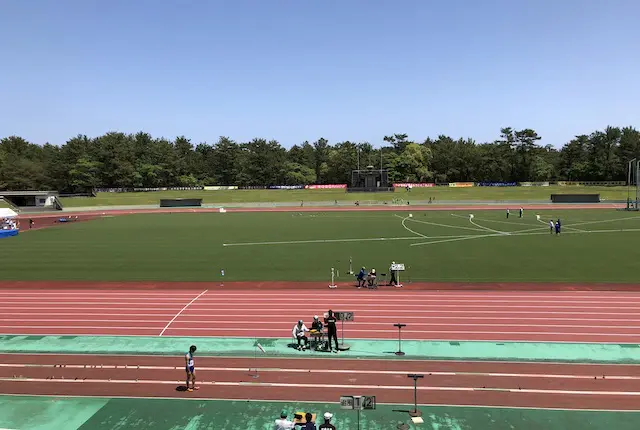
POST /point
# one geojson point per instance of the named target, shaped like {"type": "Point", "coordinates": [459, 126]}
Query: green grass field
{"type": "Point", "coordinates": [416, 194]}
{"type": "Point", "coordinates": [595, 246]}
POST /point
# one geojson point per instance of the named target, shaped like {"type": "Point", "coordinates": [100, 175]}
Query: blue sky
{"type": "Point", "coordinates": [300, 70]}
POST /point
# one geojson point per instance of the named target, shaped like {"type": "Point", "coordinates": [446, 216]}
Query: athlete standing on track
{"type": "Point", "coordinates": [332, 331]}
{"type": "Point", "coordinates": [190, 368]}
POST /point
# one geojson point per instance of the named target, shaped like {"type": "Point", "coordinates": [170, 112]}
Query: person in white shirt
{"type": "Point", "coordinates": [298, 334]}
{"type": "Point", "coordinates": [283, 423]}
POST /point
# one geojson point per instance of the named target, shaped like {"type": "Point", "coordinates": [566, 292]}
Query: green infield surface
{"type": "Point", "coordinates": [594, 246]}
{"type": "Point", "coordinates": [42, 413]}
{"type": "Point", "coordinates": [330, 195]}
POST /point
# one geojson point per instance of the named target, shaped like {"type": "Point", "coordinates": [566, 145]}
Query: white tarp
{"type": "Point", "coordinates": [7, 213]}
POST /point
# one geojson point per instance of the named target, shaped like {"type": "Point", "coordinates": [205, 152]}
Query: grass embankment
{"type": "Point", "coordinates": [416, 194]}
{"type": "Point", "coordinates": [595, 246]}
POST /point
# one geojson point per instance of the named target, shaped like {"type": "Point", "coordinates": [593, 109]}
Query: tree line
{"type": "Point", "coordinates": [122, 160]}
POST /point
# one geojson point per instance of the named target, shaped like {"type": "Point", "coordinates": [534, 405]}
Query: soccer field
{"type": "Point", "coordinates": [594, 246]}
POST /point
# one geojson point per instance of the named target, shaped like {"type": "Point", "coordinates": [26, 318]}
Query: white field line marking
{"type": "Point", "coordinates": [404, 220]}
{"type": "Point", "coordinates": [637, 217]}
{"type": "Point", "coordinates": [181, 310]}
{"type": "Point", "coordinates": [492, 220]}
{"type": "Point", "coordinates": [442, 225]}
{"type": "Point", "coordinates": [487, 228]}
{"type": "Point", "coordinates": [565, 226]}
{"type": "Point", "coordinates": [480, 236]}
{"type": "Point", "coordinates": [250, 329]}
{"type": "Point", "coordinates": [325, 371]}
{"type": "Point", "coordinates": [297, 242]}
{"type": "Point", "coordinates": [392, 317]}
{"type": "Point", "coordinates": [341, 386]}
{"type": "Point", "coordinates": [523, 233]}
{"type": "Point", "coordinates": [239, 323]}
{"type": "Point", "coordinates": [360, 307]}
{"type": "Point", "coordinates": [200, 399]}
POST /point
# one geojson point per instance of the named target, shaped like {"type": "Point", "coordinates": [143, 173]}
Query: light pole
{"type": "Point", "coordinates": [629, 184]}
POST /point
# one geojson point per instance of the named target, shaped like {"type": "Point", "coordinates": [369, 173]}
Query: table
{"type": "Point", "coordinates": [317, 337]}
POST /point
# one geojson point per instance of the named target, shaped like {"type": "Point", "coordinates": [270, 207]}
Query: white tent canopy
{"type": "Point", "coordinates": [7, 213]}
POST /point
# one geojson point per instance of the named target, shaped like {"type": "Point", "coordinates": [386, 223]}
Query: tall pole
{"type": "Point", "coordinates": [629, 183]}
{"type": "Point", "coordinates": [358, 158]}
{"type": "Point", "coordinates": [637, 173]}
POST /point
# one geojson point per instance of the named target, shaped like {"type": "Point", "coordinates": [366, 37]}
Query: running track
{"type": "Point", "coordinates": [560, 316]}
{"type": "Point", "coordinates": [615, 387]}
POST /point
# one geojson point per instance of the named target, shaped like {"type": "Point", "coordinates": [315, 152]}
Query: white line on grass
{"type": "Point", "coordinates": [443, 225]}
{"type": "Point", "coordinates": [479, 236]}
{"type": "Point", "coordinates": [182, 310]}
{"type": "Point", "coordinates": [296, 242]}
{"type": "Point", "coordinates": [412, 231]}
{"type": "Point", "coordinates": [487, 228]}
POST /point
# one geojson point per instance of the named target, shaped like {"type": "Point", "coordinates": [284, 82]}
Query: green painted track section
{"type": "Point", "coordinates": [40, 413]}
{"type": "Point", "coordinates": [374, 349]}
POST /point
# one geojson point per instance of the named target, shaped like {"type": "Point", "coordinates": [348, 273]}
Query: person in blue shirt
{"type": "Point", "coordinates": [362, 275]}
{"type": "Point", "coordinates": [190, 368]}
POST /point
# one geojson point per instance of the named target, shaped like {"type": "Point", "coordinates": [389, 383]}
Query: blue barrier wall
{"type": "Point", "coordinates": [8, 233]}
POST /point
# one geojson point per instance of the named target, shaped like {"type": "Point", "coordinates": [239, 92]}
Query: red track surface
{"type": "Point", "coordinates": [495, 316]}
{"type": "Point", "coordinates": [488, 384]}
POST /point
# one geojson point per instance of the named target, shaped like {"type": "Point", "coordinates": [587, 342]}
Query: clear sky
{"type": "Point", "coordinates": [299, 70]}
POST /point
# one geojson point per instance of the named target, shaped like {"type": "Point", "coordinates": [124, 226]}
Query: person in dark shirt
{"type": "Point", "coordinates": [327, 422]}
{"type": "Point", "coordinates": [309, 425]}
{"type": "Point", "coordinates": [332, 331]}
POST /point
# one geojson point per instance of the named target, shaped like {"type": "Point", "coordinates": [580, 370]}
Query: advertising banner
{"type": "Point", "coordinates": [534, 184]}
{"type": "Point", "coordinates": [325, 187]}
{"type": "Point", "coordinates": [220, 188]}
{"type": "Point", "coordinates": [414, 185]}
{"type": "Point", "coordinates": [496, 184]}
{"type": "Point", "coordinates": [286, 187]}
{"type": "Point", "coordinates": [461, 184]}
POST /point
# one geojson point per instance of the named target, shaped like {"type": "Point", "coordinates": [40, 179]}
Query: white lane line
{"type": "Point", "coordinates": [360, 307]}
{"type": "Point", "coordinates": [349, 294]}
{"type": "Point", "coordinates": [406, 317]}
{"type": "Point", "coordinates": [182, 310]}
{"type": "Point", "coordinates": [238, 323]}
{"type": "Point", "coordinates": [341, 386]}
{"type": "Point", "coordinates": [328, 371]}
{"type": "Point", "coordinates": [338, 300]}
{"type": "Point", "coordinates": [200, 399]}
{"type": "Point", "coordinates": [252, 329]}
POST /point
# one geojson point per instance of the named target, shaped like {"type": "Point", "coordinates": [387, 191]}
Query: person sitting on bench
{"type": "Point", "coordinates": [372, 278]}
{"type": "Point", "coordinates": [298, 334]}
{"type": "Point", "coordinates": [316, 331]}
{"type": "Point", "coordinates": [361, 278]}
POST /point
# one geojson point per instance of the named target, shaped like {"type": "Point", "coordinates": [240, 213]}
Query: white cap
{"type": "Point", "coordinates": [315, 317]}
{"type": "Point", "coordinates": [328, 415]}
